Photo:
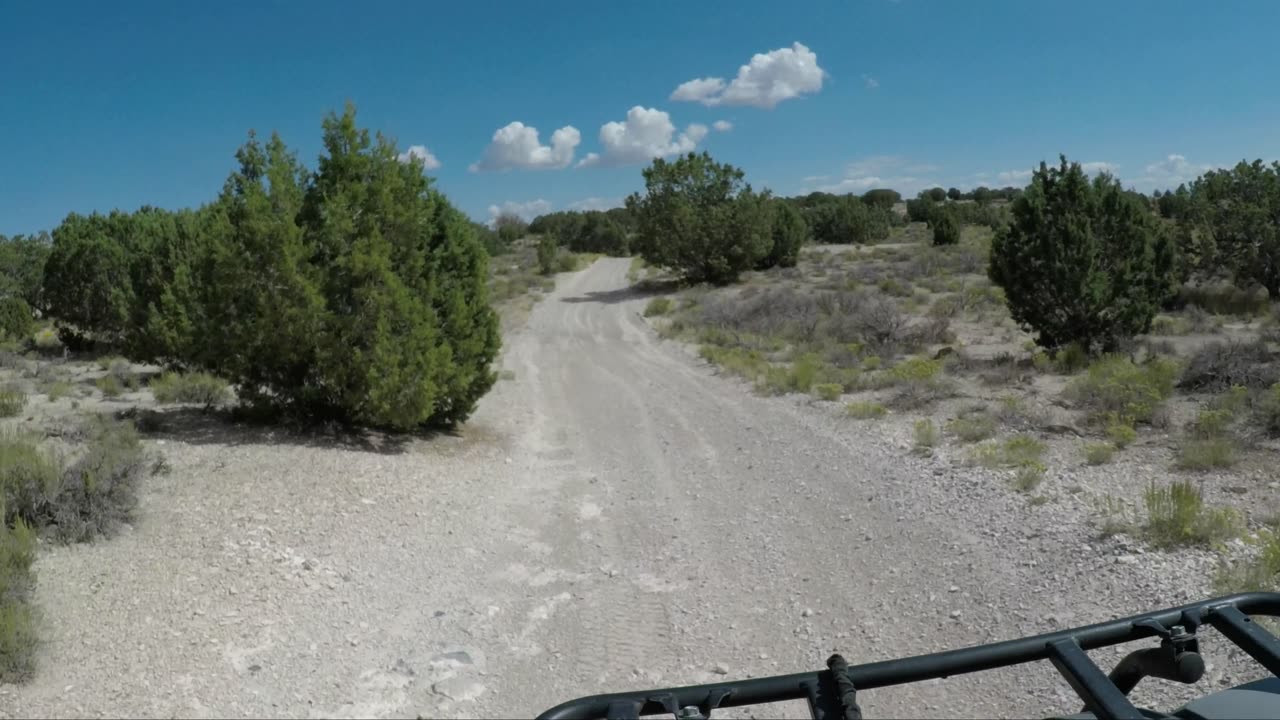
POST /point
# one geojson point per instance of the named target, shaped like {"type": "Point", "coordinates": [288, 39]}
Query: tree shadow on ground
{"type": "Point", "coordinates": [197, 426]}
{"type": "Point", "coordinates": [638, 291]}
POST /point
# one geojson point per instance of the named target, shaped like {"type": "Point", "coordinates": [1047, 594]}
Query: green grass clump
{"type": "Point", "coordinates": [926, 436]}
{"type": "Point", "coordinates": [28, 477]}
{"type": "Point", "coordinates": [798, 376]}
{"type": "Point", "coordinates": [1115, 386]}
{"type": "Point", "coordinates": [1113, 516]}
{"type": "Point", "coordinates": [1268, 410]}
{"type": "Point", "coordinates": [1028, 477]}
{"type": "Point", "coordinates": [1120, 431]}
{"type": "Point", "coordinates": [1166, 325]}
{"type": "Point", "coordinates": [1071, 359]}
{"type": "Point", "coordinates": [109, 385]}
{"type": "Point", "coordinates": [1177, 516]}
{"type": "Point", "coordinates": [973, 428]}
{"type": "Point", "coordinates": [828, 391]}
{"type": "Point", "coordinates": [1099, 453]}
{"type": "Point", "coordinates": [866, 410]}
{"type": "Point", "coordinates": [658, 306]}
{"type": "Point", "coordinates": [18, 638]}
{"type": "Point", "coordinates": [57, 389]}
{"type": "Point", "coordinates": [1015, 452]}
{"type": "Point", "coordinates": [12, 401]}
{"type": "Point", "coordinates": [748, 364]}
{"type": "Point", "coordinates": [196, 388]}
{"type": "Point", "coordinates": [46, 341]}
{"type": "Point", "coordinates": [1211, 443]}
{"type": "Point", "coordinates": [1260, 573]}
{"type": "Point", "coordinates": [1208, 454]}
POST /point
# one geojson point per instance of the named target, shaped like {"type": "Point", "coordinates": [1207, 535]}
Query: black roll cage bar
{"type": "Point", "coordinates": [831, 692]}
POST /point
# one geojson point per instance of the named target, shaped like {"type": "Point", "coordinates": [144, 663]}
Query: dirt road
{"type": "Point", "coordinates": [616, 517]}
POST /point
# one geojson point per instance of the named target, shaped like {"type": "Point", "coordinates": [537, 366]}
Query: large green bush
{"type": "Point", "coordinates": [700, 218]}
{"type": "Point", "coordinates": [598, 232]}
{"type": "Point", "coordinates": [1082, 261]}
{"type": "Point", "coordinates": [844, 219]}
{"type": "Point", "coordinates": [22, 259]}
{"type": "Point", "coordinates": [16, 322]}
{"type": "Point", "coordinates": [1240, 208]}
{"type": "Point", "coordinates": [945, 227]}
{"type": "Point", "coordinates": [86, 278]}
{"type": "Point", "coordinates": [881, 197]}
{"type": "Point", "coordinates": [355, 292]}
{"type": "Point", "coordinates": [547, 251]}
{"type": "Point", "coordinates": [921, 209]}
{"type": "Point", "coordinates": [790, 232]}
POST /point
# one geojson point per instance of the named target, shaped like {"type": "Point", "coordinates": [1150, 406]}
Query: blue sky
{"type": "Point", "coordinates": [116, 105]}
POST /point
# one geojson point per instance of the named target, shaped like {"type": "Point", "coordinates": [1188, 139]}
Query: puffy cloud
{"type": "Point", "coordinates": [525, 210]}
{"type": "Point", "coordinates": [516, 146]}
{"type": "Point", "coordinates": [429, 161]}
{"type": "Point", "coordinates": [882, 171]}
{"type": "Point", "coordinates": [647, 133]}
{"type": "Point", "coordinates": [595, 203]}
{"type": "Point", "coordinates": [870, 82]}
{"type": "Point", "coordinates": [722, 126]}
{"type": "Point", "coordinates": [768, 79]}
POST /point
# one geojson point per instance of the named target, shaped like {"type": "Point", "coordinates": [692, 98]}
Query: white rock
{"type": "Point", "coordinates": [459, 689]}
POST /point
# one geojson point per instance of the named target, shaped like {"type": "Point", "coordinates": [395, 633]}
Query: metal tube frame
{"type": "Point", "coordinates": [1230, 615]}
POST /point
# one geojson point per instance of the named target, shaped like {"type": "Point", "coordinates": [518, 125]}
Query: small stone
{"type": "Point", "coordinates": [720, 669]}
{"type": "Point", "coordinates": [461, 657]}
{"type": "Point", "coordinates": [954, 588]}
{"type": "Point", "coordinates": [955, 614]}
{"type": "Point", "coordinates": [806, 613]}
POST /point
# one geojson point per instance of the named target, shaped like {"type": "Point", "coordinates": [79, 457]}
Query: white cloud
{"type": "Point", "coordinates": [517, 146]}
{"type": "Point", "coordinates": [1171, 172]}
{"type": "Point", "coordinates": [722, 126]}
{"type": "Point", "coordinates": [647, 133]}
{"type": "Point", "coordinates": [703, 90]}
{"type": "Point", "coordinates": [1013, 177]}
{"type": "Point", "coordinates": [429, 161]}
{"type": "Point", "coordinates": [870, 82]}
{"type": "Point", "coordinates": [882, 171]}
{"type": "Point", "coordinates": [595, 203]}
{"type": "Point", "coordinates": [1093, 168]}
{"type": "Point", "coordinates": [1023, 177]}
{"type": "Point", "coordinates": [767, 80]}
{"type": "Point", "coordinates": [526, 210]}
